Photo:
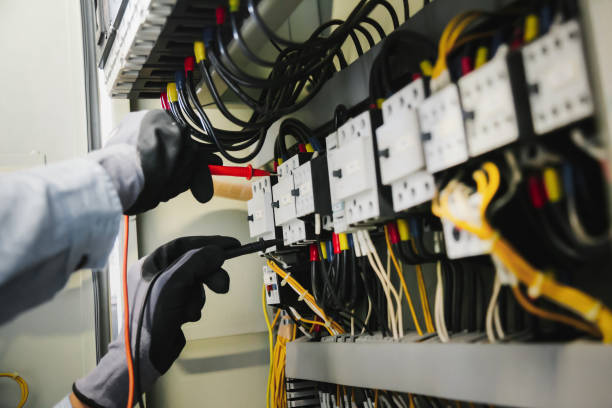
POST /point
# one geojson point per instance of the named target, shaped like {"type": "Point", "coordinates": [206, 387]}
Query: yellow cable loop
{"type": "Point", "coordinates": [580, 303]}
{"type": "Point", "coordinates": [403, 282]}
{"type": "Point", "coordinates": [23, 387]}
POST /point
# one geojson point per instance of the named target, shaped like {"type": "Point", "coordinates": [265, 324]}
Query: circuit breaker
{"type": "Point", "coordinates": [312, 195]}
{"type": "Point", "coordinates": [400, 149]}
{"type": "Point", "coordinates": [557, 78]}
{"type": "Point", "coordinates": [339, 222]}
{"type": "Point", "coordinates": [284, 194]}
{"type": "Point", "coordinates": [442, 129]}
{"type": "Point", "coordinates": [493, 117]}
{"type": "Point", "coordinates": [259, 210]}
{"type": "Point", "coordinates": [353, 171]}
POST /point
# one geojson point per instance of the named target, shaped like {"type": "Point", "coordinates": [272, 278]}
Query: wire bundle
{"type": "Point", "coordinates": [331, 326]}
{"type": "Point", "coordinates": [598, 317]}
{"type": "Point", "coordinates": [294, 78]}
{"type": "Point", "coordinates": [278, 392]}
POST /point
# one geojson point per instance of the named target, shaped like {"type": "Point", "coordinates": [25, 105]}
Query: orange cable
{"type": "Point", "coordinates": [545, 314]}
{"type": "Point", "coordinates": [126, 315]}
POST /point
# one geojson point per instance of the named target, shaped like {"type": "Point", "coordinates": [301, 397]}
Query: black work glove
{"type": "Point", "coordinates": [150, 159]}
{"type": "Point", "coordinates": [178, 270]}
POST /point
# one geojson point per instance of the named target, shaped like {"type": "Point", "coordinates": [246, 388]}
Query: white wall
{"type": "Point", "coordinates": [42, 108]}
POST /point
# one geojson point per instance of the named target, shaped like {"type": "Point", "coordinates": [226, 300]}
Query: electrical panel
{"type": "Point", "coordinates": [557, 78]}
{"type": "Point", "coordinates": [442, 130]}
{"type": "Point", "coordinates": [415, 178]}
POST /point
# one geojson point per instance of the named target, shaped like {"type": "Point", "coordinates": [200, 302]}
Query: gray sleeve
{"type": "Point", "coordinates": [64, 403]}
{"type": "Point", "coordinates": [54, 220]}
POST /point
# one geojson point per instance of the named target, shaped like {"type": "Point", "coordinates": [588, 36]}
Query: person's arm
{"type": "Point", "coordinates": [54, 220]}
{"type": "Point", "coordinates": [63, 217]}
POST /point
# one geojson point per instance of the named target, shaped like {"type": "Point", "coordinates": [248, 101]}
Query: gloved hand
{"type": "Point", "coordinates": [178, 270]}
{"type": "Point", "coordinates": [150, 159]}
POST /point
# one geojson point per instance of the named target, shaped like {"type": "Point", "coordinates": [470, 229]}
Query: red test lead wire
{"type": "Point", "coordinates": [247, 172]}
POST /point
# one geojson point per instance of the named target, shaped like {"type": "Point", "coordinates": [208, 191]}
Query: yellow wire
{"type": "Point", "coordinates": [424, 301]}
{"type": "Point", "coordinates": [584, 305]}
{"type": "Point", "coordinates": [275, 318]}
{"type": "Point", "coordinates": [449, 37]}
{"type": "Point", "coordinates": [403, 282]}
{"type": "Point", "coordinates": [308, 298]}
{"type": "Point", "coordinates": [270, 341]}
{"type": "Point", "coordinates": [23, 387]}
{"type": "Point", "coordinates": [429, 326]}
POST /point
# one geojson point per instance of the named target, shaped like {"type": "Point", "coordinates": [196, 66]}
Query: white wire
{"type": "Point", "coordinates": [499, 329]}
{"type": "Point", "coordinates": [367, 319]}
{"type": "Point", "coordinates": [390, 308]}
{"type": "Point", "coordinates": [596, 152]}
{"type": "Point", "coordinates": [393, 291]}
{"type": "Point", "coordinates": [388, 288]}
{"type": "Point", "coordinates": [365, 249]}
{"type": "Point", "coordinates": [399, 401]}
{"type": "Point", "coordinates": [440, 320]}
{"type": "Point", "coordinates": [491, 310]}
{"type": "Point", "coordinates": [399, 317]}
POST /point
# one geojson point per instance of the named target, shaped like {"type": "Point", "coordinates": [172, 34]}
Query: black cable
{"type": "Point", "coordinates": [366, 34]}
{"type": "Point", "coordinates": [457, 292]}
{"type": "Point", "coordinates": [243, 46]}
{"type": "Point", "coordinates": [406, 10]}
{"type": "Point", "coordinates": [377, 27]}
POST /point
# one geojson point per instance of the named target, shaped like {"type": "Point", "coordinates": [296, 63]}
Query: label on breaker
{"type": "Point", "coordinates": [270, 279]}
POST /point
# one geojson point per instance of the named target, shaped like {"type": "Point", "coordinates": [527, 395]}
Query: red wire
{"type": "Point", "coordinates": [126, 315]}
